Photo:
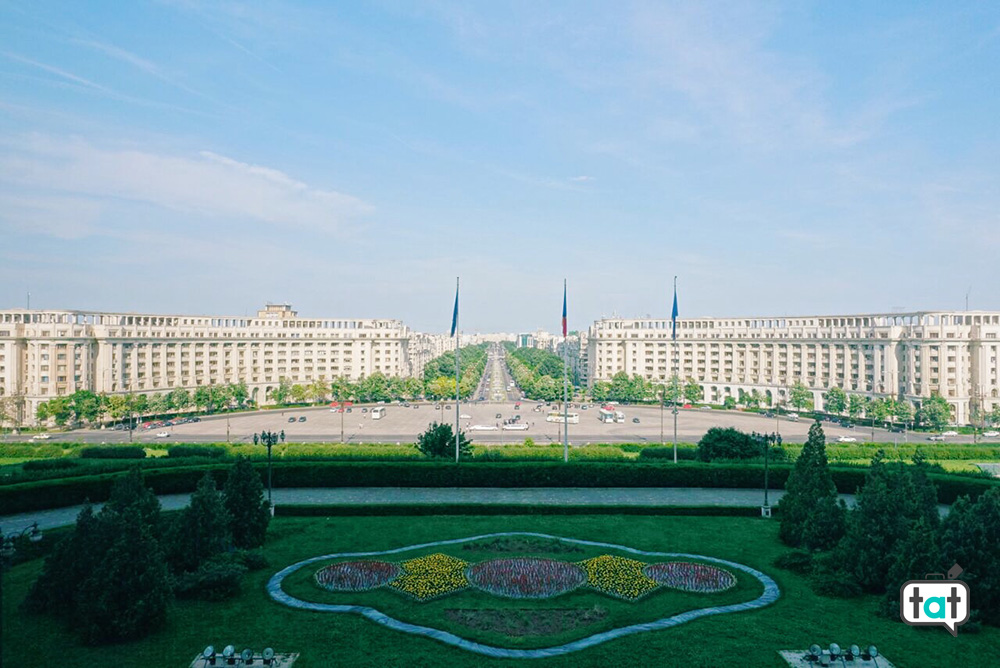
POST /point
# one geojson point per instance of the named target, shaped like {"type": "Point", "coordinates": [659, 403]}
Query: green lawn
{"type": "Point", "coordinates": [797, 620]}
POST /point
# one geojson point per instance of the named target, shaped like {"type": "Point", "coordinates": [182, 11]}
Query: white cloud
{"type": "Point", "coordinates": [581, 179]}
{"type": "Point", "coordinates": [206, 184]}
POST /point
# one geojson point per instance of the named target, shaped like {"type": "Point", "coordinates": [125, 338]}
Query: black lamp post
{"type": "Point", "coordinates": [268, 439]}
{"type": "Point", "coordinates": [7, 550]}
{"type": "Point", "coordinates": [766, 441]}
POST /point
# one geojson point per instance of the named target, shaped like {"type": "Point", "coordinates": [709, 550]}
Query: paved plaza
{"type": "Point", "coordinates": [402, 424]}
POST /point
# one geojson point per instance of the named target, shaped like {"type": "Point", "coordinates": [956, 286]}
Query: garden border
{"type": "Point", "coordinates": [771, 594]}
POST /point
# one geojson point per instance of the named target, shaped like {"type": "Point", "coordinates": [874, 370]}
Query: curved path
{"type": "Point", "coordinates": [770, 595]}
{"type": "Point", "coordinates": [368, 496]}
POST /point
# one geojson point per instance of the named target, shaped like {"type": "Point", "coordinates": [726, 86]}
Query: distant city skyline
{"type": "Point", "coordinates": [780, 158]}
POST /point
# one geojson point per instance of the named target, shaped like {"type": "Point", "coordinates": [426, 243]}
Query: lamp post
{"type": "Point", "coordinates": [7, 550]}
{"type": "Point", "coordinates": [766, 440]}
{"type": "Point", "coordinates": [269, 439]}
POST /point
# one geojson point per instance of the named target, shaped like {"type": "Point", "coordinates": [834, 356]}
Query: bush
{"type": "Point", "coordinates": [727, 443]}
{"type": "Point", "coordinates": [215, 580]}
{"type": "Point", "coordinates": [210, 451]}
{"type": "Point", "coordinates": [50, 464]}
{"type": "Point", "coordinates": [252, 560]}
{"type": "Point", "coordinates": [796, 561]}
{"type": "Point", "coordinates": [684, 453]}
{"type": "Point", "coordinates": [113, 452]}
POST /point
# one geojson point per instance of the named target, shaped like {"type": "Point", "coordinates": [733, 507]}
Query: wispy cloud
{"type": "Point", "coordinates": [51, 69]}
{"type": "Point", "coordinates": [138, 62]}
{"type": "Point", "coordinates": [207, 184]}
{"type": "Point", "coordinates": [581, 178]}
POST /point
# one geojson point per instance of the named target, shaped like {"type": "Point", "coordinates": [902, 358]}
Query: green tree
{"type": "Point", "coordinates": [935, 412]}
{"type": "Point", "coordinates": [994, 415]}
{"type": "Point", "coordinates": [918, 554]}
{"type": "Point", "coordinates": [970, 536]}
{"type": "Point", "coordinates": [282, 393]}
{"type": "Point", "coordinates": [727, 443]}
{"type": "Point", "coordinates": [692, 391]}
{"type": "Point", "coordinates": [202, 398]}
{"type": "Point", "coordinates": [729, 403]}
{"type": "Point", "coordinates": [86, 405]}
{"type": "Point", "coordinates": [441, 387]}
{"type": "Point", "coordinates": [201, 531]}
{"type": "Point", "coordinates": [412, 388]}
{"type": "Point", "coordinates": [131, 492]}
{"type": "Point", "coordinates": [299, 393]}
{"type": "Point", "coordinates": [903, 411]}
{"type": "Point", "coordinates": [238, 393]}
{"type": "Point", "coordinates": [835, 400]}
{"type": "Point", "coordinates": [180, 399]}
{"type": "Point", "coordinates": [249, 512]}
{"type": "Point", "coordinates": [877, 410]}
{"type": "Point", "coordinates": [753, 399]}
{"type": "Point", "coordinates": [601, 391]}
{"type": "Point", "coordinates": [806, 510]}
{"type": "Point", "coordinates": [439, 441]}
{"type": "Point", "coordinates": [800, 396]}
{"type": "Point", "coordinates": [375, 388]}
{"type": "Point", "coordinates": [127, 595]}
{"type": "Point", "coordinates": [71, 562]}
{"type": "Point", "coordinates": [341, 389]}
{"type": "Point", "coordinates": [856, 404]}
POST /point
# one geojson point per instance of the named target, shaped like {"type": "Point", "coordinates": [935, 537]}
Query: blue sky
{"type": "Point", "coordinates": [781, 158]}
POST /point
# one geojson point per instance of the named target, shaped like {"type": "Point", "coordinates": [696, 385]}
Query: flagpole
{"type": "Point", "coordinates": [565, 384]}
{"type": "Point", "coordinates": [458, 336]}
{"type": "Point", "coordinates": [674, 346]}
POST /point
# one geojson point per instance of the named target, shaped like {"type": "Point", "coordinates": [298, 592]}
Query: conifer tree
{"type": "Point", "coordinates": [202, 529]}
{"type": "Point", "coordinates": [808, 484]}
{"type": "Point", "coordinates": [249, 513]}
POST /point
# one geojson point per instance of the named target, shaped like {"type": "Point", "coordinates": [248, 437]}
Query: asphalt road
{"type": "Point", "coordinates": [401, 425]}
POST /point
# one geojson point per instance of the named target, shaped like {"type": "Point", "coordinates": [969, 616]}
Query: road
{"type": "Point", "coordinates": [401, 425]}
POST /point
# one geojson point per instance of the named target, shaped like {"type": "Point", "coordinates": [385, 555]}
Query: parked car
{"type": "Point", "coordinates": [349, 409]}
{"type": "Point", "coordinates": [302, 419]}
{"type": "Point", "coordinates": [464, 416]}
{"type": "Point", "coordinates": [499, 416]}
{"type": "Point", "coordinates": [364, 410]}
{"type": "Point", "coordinates": [162, 434]}
{"type": "Point", "coordinates": [635, 420]}
{"type": "Point", "coordinates": [949, 433]}
{"type": "Point", "coordinates": [847, 439]}
{"type": "Point", "coordinates": [935, 437]}
{"type": "Point", "coordinates": [991, 434]}
{"type": "Point", "coordinates": [194, 419]}
{"type": "Point", "coordinates": [41, 437]}
{"type": "Point", "coordinates": [291, 419]}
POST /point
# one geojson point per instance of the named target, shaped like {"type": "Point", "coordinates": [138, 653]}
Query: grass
{"type": "Point", "coordinates": [798, 619]}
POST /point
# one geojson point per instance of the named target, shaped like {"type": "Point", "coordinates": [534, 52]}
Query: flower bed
{"type": "Point", "coordinates": [431, 576]}
{"type": "Point", "coordinates": [526, 577]}
{"type": "Point", "coordinates": [356, 575]}
{"type": "Point", "coordinates": [700, 578]}
{"type": "Point", "coordinates": [618, 576]}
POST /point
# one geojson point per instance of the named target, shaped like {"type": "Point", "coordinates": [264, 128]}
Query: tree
{"type": "Point", "coordinates": [935, 412]}
{"type": "Point", "coordinates": [86, 405]}
{"type": "Point", "coordinates": [180, 399]}
{"type": "Point", "coordinates": [856, 405]}
{"type": "Point", "coordinates": [298, 393]}
{"type": "Point", "coordinates": [239, 393]}
{"type": "Point", "coordinates": [341, 389]}
{"type": "Point", "coordinates": [202, 529]}
{"type": "Point", "coordinates": [729, 403]}
{"type": "Point", "coordinates": [918, 554]}
{"type": "Point", "coordinates": [601, 391]}
{"type": "Point", "coordinates": [727, 443]}
{"type": "Point", "coordinates": [118, 406]}
{"type": "Point", "coordinates": [805, 509]}
{"type": "Point", "coordinates": [243, 497]}
{"type": "Point", "coordinates": [692, 391]}
{"type": "Point", "coordinates": [130, 492]}
{"type": "Point", "coordinates": [283, 392]}
{"type": "Point", "coordinates": [202, 398]}
{"type": "Point", "coordinates": [835, 400]}
{"type": "Point", "coordinates": [439, 441]}
{"type": "Point", "coordinates": [441, 387]}
{"type": "Point", "coordinates": [970, 536]}
{"type": "Point", "coordinates": [994, 415]}
{"type": "Point", "coordinates": [127, 594]}
{"type": "Point", "coordinates": [753, 399]}
{"type": "Point", "coordinates": [877, 410]}
{"type": "Point", "coordinates": [903, 411]}
{"type": "Point", "coordinates": [800, 396]}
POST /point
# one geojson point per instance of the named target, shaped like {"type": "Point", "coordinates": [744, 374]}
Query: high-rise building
{"type": "Point", "coordinates": [45, 354]}
{"type": "Point", "coordinates": [903, 355]}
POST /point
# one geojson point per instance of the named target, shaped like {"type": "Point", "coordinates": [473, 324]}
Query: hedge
{"type": "Point", "coordinates": [334, 510]}
{"type": "Point", "coordinates": [20, 497]}
{"type": "Point", "coordinates": [210, 451]}
{"type": "Point", "coordinates": [113, 452]}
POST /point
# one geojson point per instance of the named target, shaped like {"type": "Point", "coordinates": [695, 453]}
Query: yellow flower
{"type": "Point", "coordinates": [431, 576]}
{"type": "Point", "coordinates": [618, 576]}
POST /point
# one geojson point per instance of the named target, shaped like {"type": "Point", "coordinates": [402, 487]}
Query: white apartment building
{"type": "Point", "coordinates": [44, 354]}
{"type": "Point", "coordinates": [904, 355]}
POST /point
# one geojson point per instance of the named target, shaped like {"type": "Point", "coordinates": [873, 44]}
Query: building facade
{"type": "Point", "coordinates": [904, 355]}
{"type": "Point", "coordinates": [45, 354]}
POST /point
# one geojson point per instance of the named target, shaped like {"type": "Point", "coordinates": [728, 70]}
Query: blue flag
{"type": "Point", "coordinates": [454, 316]}
{"type": "Point", "coordinates": [564, 309]}
{"type": "Point", "coordinates": [673, 314]}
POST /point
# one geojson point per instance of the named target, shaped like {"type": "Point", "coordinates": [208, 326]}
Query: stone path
{"type": "Point", "coordinates": [367, 496]}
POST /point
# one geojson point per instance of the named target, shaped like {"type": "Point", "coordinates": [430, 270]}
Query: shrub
{"type": "Point", "coordinates": [249, 513]}
{"type": "Point", "coordinates": [727, 443]}
{"type": "Point", "coordinates": [253, 560]}
{"type": "Point", "coordinates": [439, 441]}
{"type": "Point", "coordinates": [215, 580]}
{"type": "Point", "coordinates": [113, 452]}
{"type": "Point", "coordinates": [50, 464]}
{"type": "Point", "coordinates": [684, 453]}
{"type": "Point", "coordinates": [175, 451]}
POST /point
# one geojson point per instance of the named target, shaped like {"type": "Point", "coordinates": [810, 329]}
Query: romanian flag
{"type": "Point", "coordinates": [454, 316]}
{"type": "Point", "coordinates": [673, 314]}
{"type": "Point", "coordinates": [564, 308]}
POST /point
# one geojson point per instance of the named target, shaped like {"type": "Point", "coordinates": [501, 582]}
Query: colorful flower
{"type": "Point", "coordinates": [526, 577]}
{"type": "Point", "coordinates": [618, 576]}
{"type": "Point", "coordinates": [356, 575]}
{"type": "Point", "coordinates": [700, 578]}
{"type": "Point", "coordinates": [431, 576]}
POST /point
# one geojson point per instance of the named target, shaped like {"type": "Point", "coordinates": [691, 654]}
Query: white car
{"type": "Point", "coordinates": [463, 416]}
{"type": "Point", "coordinates": [991, 434]}
{"type": "Point", "coordinates": [483, 427]}
{"type": "Point", "coordinates": [162, 434]}
{"type": "Point", "coordinates": [936, 437]}
{"type": "Point", "coordinates": [847, 439]}
{"type": "Point", "coordinates": [41, 437]}
{"type": "Point", "coordinates": [515, 427]}
{"type": "Point", "coordinates": [949, 433]}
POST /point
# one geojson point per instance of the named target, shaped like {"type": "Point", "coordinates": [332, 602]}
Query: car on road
{"type": "Point", "coordinates": [847, 439]}
{"type": "Point", "coordinates": [635, 420]}
{"type": "Point", "coordinates": [465, 416]}
{"type": "Point", "coordinates": [162, 434]}
{"type": "Point", "coordinates": [302, 419]}
{"type": "Point", "coordinates": [119, 427]}
{"type": "Point", "coordinates": [194, 419]}
{"type": "Point", "coordinates": [364, 410]}
{"type": "Point", "coordinates": [499, 416]}
{"type": "Point", "coordinates": [40, 437]}
{"type": "Point", "coordinates": [991, 434]}
{"type": "Point", "coordinates": [483, 427]}
{"type": "Point", "coordinates": [896, 429]}
{"type": "Point", "coordinates": [949, 433]}
{"type": "Point", "coordinates": [935, 437]}
{"type": "Point", "coordinates": [291, 419]}
{"type": "Point", "coordinates": [448, 407]}
{"type": "Point", "coordinates": [768, 414]}
{"type": "Point", "coordinates": [437, 407]}
{"type": "Point", "coordinates": [349, 410]}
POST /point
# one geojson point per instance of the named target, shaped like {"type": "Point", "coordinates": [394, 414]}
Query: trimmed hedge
{"type": "Point", "coordinates": [113, 452]}
{"type": "Point", "coordinates": [209, 451]}
{"type": "Point", "coordinates": [35, 495]}
{"type": "Point", "coordinates": [419, 509]}
{"type": "Point", "coordinates": [50, 464]}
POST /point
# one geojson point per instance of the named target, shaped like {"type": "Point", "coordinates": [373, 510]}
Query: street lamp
{"type": "Point", "coordinates": [766, 440]}
{"type": "Point", "coordinates": [268, 439]}
{"type": "Point", "coordinates": [8, 548]}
